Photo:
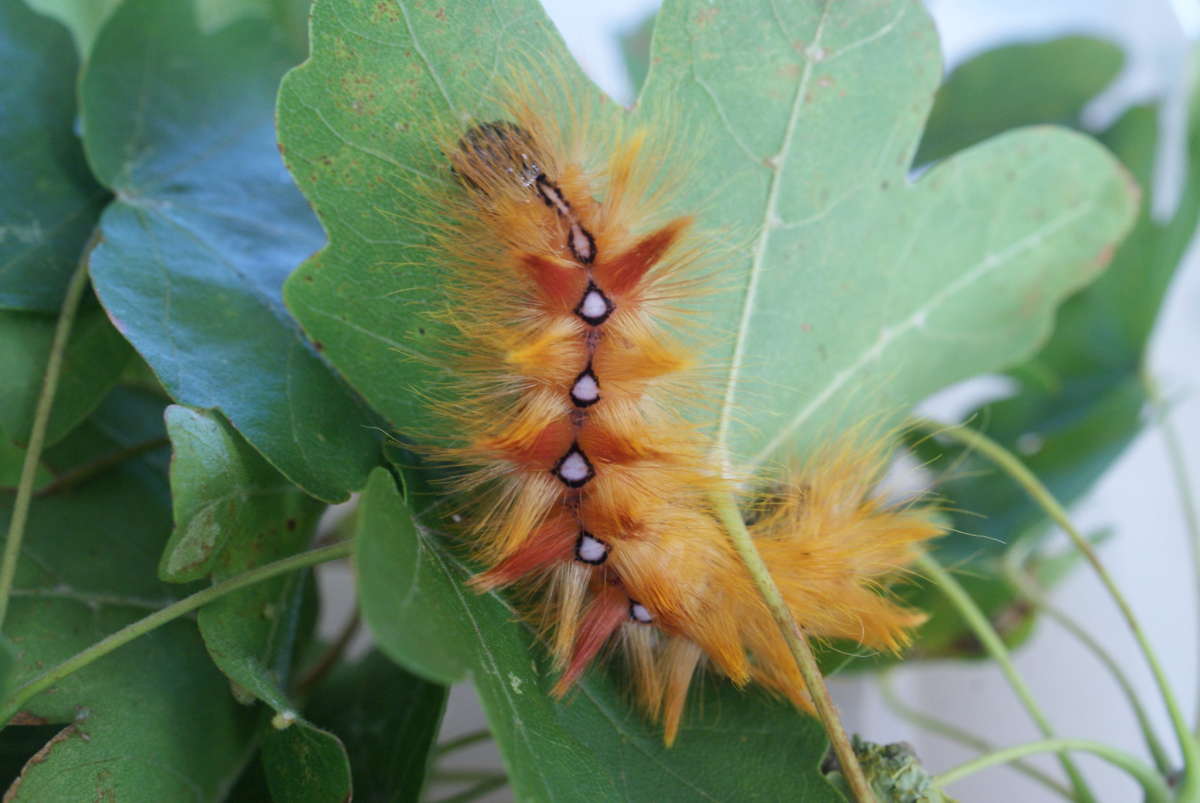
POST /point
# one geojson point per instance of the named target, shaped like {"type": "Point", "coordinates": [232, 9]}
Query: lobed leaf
{"type": "Point", "coordinates": [222, 489]}
{"type": "Point", "coordinates": [206, 226]}
{"type": "Point", "coordinates": [594, 745]}
{"type": "Point", "coordinates": [389, 745]}
{"type": "Point", "coordinates": [49, 203]}
{"type": "Point", "coordinates": [1078, 402]}
{"type": "Point", "coordinates": [1015, 85]}
{"type": "Point", "coordinates": [233, 512]}
{"type": "Point", "coordinates": [847, 290]}
{"type": "Point", "coordinates": [93, 361]}
{"type": "Point", "coordinates": [153, 720]}
{"type": "Point", "coordinates": [854, 292]}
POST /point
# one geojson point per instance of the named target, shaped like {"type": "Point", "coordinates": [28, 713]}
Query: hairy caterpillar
{"type": "Point", "coordinates": [590, 488]}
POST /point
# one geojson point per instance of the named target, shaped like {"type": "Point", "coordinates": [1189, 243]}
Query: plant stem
{"type": "Point", "coordinates": [19, 696]}
{"type": "Point", "coordinates": [992, 642]}
{"type": "Point", "coordinates": [1014, 560]}
{"type": "Point", "coordinates": [1188, 745]}
{"type": "Point", "coordinates": [950, 731]}
{"type": "Point", "coordinates": [466, 740]}
{"type": "Point", "coordinates": [1155, 788]}
{"type": "Point", "coordinates": [1183, 485]}
{"type": "Point", "coordinates": [727, 511]}
{"type": "Point", "coordinates": [41, 419]}
{"type": "Point", "coordinates": [88, 470]}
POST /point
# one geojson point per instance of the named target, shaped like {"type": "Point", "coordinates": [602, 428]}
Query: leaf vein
{"type": "Point", "coordinates": [756, 265]}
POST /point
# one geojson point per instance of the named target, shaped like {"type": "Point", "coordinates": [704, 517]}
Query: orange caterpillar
{"type": "Point", "coordinates": [591, 489]}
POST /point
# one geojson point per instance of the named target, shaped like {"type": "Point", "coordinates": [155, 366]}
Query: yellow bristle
{"type": "Point", "coordinates": [537, 211]}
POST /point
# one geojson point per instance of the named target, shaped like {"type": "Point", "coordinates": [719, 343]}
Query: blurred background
{"type": "Point", "coordinates": [1136, 498]}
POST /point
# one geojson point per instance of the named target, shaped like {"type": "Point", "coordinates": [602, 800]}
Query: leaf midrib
{"type": "Point", "coordinates": [769, 221]}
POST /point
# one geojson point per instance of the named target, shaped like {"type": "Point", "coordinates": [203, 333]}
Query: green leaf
{"type": "Point", "coordinates": [252, 633]}
{"type": "Point", "coordinates": [635, 51]}
{"type": "Point", "coordinates": [388, 745]}
{"type": "Point", "coordinates": [49, 203]}
{"type": "Point", "coordinates": [84, 18]}
{"type": "Point", "coordinates": [11, 459]}
{"type": "Point", "coordinates": [1016, 85]}
{"type": "Point", "coordinates": [853, 292]}
{"type": "Point", "coordinates": [594, 745]}
{"type": "Point", "coordinates": [846, 291]}
{"type": "Point", "coordinates": [220, 488]}
{"type": "Point", "coordinates": [233, 512]}
{"type": "Point", "coordinates": [95, 357]}
{"type": "Point", "coordinates": [304, 763]}
{"type": "Point", "coordinates": [1079, 400]}
{"type": "Point", "coordinates": [207, 225]}
{"type": "Point", "coordinates": [18, 744]}
{"type": "Point", "coordinates": [153, 720]}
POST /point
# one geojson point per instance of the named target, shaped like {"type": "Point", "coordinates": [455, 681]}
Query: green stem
{"type": "Point", "coordinates": [1155, 787]}
{"type": "Point", "coordinates": [466, 740]}
{"type": "Point", "coordinates": [1188, 746]}
{"type": "Point", "coordinates": [731, 518]}
{"type": "Point", "coordinates": [1183, 484]}
{"type": "Point", "coordinates": [19, 696]}
{"type": "Point", "coordinates": [1014, 561]}
{"type": "Point", "coordinates": [956, 734]}
{"type": "Point", "coordinates": [992, 642]}
{"type": "Point", "coordinates": [41, 419]}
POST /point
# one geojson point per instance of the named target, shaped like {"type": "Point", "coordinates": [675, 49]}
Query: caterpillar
{"type": "Point", "coordinates": [575, 438]}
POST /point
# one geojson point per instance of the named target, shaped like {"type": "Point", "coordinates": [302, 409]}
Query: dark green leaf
{"type": "Point", "coordinates": [49, 201]}
{"type": "Point", "coordinates": [11, 459]}
{"type": "Point", "coordinates": [153, 720]}
{"type": "Point", "coordinates": [18, 744]}
{"type": "Point", "coordinates": [594, 745]}
{"type": "Point", "coordinates": [388, 744]}
{"type": "Point", "coordinates": [82, 17]}
{"type": "Point", "coordinates": [1079, 400]}
{"type": "Point", "coordinates": [252, 786]}
{"type": "Point", "coordinates": [180, 124]}
{"type": "Point", "coordinates": [1016, 85]}
{"type": "Point", "coordinates": [305, 764]}
{"type": "Point", "coordinates": [95, 357]}
{"type": "Point", "coordinates": [233, 512]}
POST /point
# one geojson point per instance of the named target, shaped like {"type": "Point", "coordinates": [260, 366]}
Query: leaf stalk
{"type": "Point", "coordinates": [1016, 470]}
{"type": "Point", "coordinates": [1155, 788]}
{"type": "Point", "coordinates": [41, 420]}
{"type": "Point", "coordinates": [19, 696]}
{"type": "Point", "coordinates": [731, 518]}
{"type": "Point", "coordinates": [987, 635]}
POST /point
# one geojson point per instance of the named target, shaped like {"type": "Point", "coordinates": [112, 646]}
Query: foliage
{"type": "Point", "coordinates": [234, 369]}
